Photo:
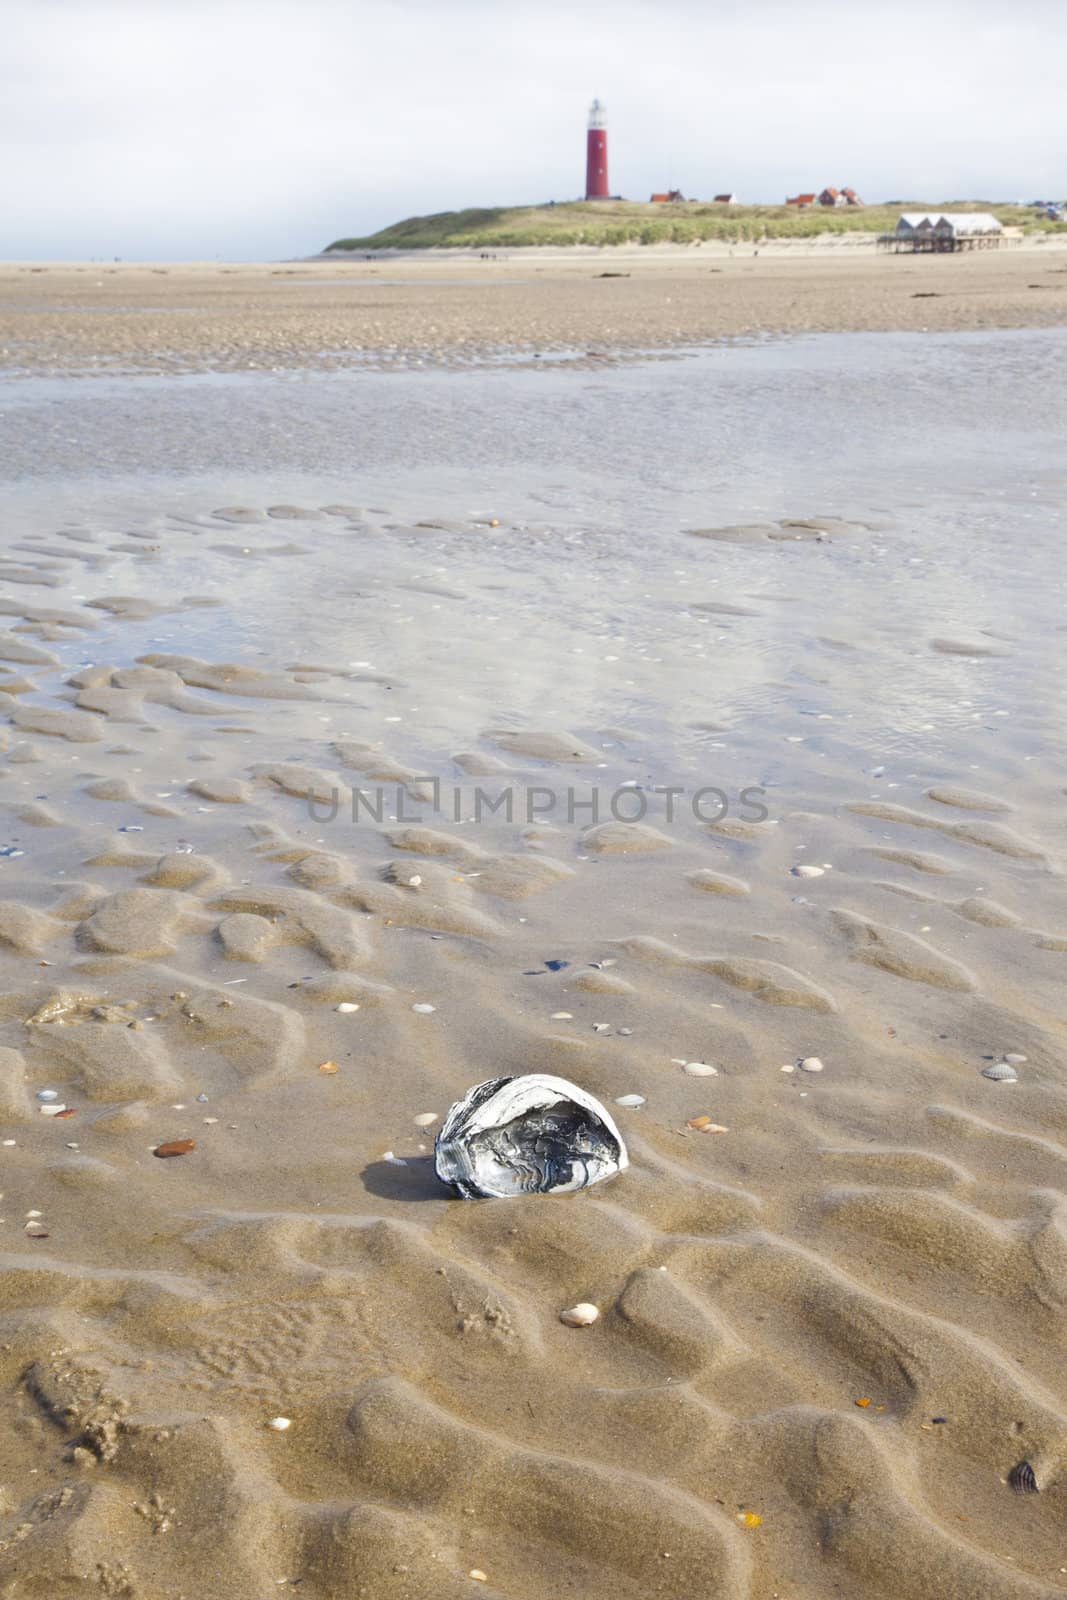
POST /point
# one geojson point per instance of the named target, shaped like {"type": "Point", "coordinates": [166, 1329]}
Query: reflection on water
{"type": "Point", "coordinates": [590, 592]}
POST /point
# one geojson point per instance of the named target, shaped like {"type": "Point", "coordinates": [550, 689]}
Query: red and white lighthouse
{"type": "Point", "coordinates": [596, 154]}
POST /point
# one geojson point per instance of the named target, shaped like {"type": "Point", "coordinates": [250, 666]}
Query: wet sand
{"type": "Point", "coordinates": [829, 1333]}
{"type": "Point", "coordinates": [335, 313]}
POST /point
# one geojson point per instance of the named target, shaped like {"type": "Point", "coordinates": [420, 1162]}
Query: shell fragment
{"type": "Point", "coordinates": [534, 1134]}
{"type": "Point", "coordinates": [582, 1315]}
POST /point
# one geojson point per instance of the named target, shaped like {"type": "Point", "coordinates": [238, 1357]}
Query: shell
{"type": "Point", "coordinates": [534, 1134]}
{"type": "Point", "coordinates": [1001, 1072]}
{"type": "Point", "coordinates": [810, 1064]}
{"type": "Point", "coordinates": [630, 1100]}
{"type": "Point", "coordinates": [1015, 1058]}
{"type": "Point", "coordinates": [804, 871]}
{"type": "Point", "coordinates": [582, 1315]}
{"type": "Point", "coordinates": [701, 1069]}
{"type": "Point", "coordinates": [1023, 1479]}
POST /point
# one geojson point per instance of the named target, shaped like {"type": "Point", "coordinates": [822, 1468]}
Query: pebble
{"type": "Point", "coordinates": [810, 1064]}
{"type": "Point", "coordinates": [805, 871]}
{"type": "Point", "coordinates": [48, 1094]}
{"type": "Point", "coordinates": [630, 1100]}
{"type": "Point", "coordinates": [701, 1069]}
{"type": "Point", "coordinates": [279, 1424]}
{"type": "Point", "coordinates": [425, 1119]}
{"type": "Point", "coordinates": [583, 1315]}
{"type": "Point", "coordinates": [423, 1009]}
{"type": "Point", "coordinates": [347, 1006]}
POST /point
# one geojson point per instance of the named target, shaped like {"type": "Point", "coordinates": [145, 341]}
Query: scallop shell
{"type": "Point", "coordinates": [1023, 1479]}
{"type": "Point", "coordinates": [534, 1134]}
{"type": "Point", "coordinates": [1001, 1072]}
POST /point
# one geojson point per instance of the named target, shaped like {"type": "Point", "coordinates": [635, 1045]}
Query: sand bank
{"type": "Point", "coordinates": [336, 313]}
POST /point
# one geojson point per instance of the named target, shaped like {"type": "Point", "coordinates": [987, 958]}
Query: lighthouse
{"type": "Point", "coordinates": [596, 155]}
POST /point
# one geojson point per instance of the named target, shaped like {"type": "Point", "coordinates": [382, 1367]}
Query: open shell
{"type": "Point", "coordinates": [529, 1135]}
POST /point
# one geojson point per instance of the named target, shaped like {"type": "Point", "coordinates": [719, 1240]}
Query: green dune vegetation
{"type": "Point", "coordinates": [618, 222]}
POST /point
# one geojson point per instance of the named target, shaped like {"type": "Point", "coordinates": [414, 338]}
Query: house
{"type": "Point", "coordinates": [947, 230]}
{"type": "Point", "coordinates": [664, 199]}
{"type": "Point", "coordinates": [851, 197]}
{"type": "Point", "coordinates": [832, 197]}
{"type": "Point", "coordinates": [801, 200]}
{"type": "Point", "coordinates": [725, 200]}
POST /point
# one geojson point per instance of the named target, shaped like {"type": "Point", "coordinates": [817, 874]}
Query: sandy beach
{"type": "Point", "coordinates": [690, 729]}
{"type": "Point", "coordinates": [451, 308]}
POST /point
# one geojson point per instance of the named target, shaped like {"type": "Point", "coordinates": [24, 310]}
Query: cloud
{"type": "Point", "coordinates": [267, 127]}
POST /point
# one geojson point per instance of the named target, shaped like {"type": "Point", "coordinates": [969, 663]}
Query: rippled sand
{"type": "Point", "coordinates": [829, 1333]}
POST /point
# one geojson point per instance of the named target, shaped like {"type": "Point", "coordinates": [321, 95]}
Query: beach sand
{"type": "Point", "coordinates": [448, 308]}
{"type": "Point", "coordinates": [827, 1333]}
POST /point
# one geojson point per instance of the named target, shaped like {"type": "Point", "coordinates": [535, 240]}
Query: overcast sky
{"type": "Point", "coordinates": [250, 129]}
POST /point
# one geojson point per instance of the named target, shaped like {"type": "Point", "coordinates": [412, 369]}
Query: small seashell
{"type": "Point", "coordinates": [476, 1572]}
{"type": "Point", "coordinates": [348, 1005]}
{"type": "Point", "coordinates": [562, 1016]}
{"type": "Point", "coordinates": [36, 1230]}
{"type": "Point", "coordinates": [810, 1064]}
{"type": "Point", "coordinates": [423, 1008]}
{"type": "Point", "coordinates": [393, 1160]}
{"type": "Point", "coordinates": [48, 1094]}
{"type": "Point", "coordinates": [583, 1315]}
{"type": "Point", "coordinates": [804, 871]}
{"type": "Point", "coordinates": [1023, 1479]}
{"type": "Point", "coordinates": [33, 1213]}
{"type": "Point", "coordinates": [329, 1067]}
{"type": "Point", "coordinates": [174, 1147]}
{"type": "Point", "coordinates": [630, 1100]}
{"type": "Point", "coordinates": [51, 1111]}
{"type": "Point", "coordinates": [280, 1424]}
{"type": "Point", "coordinates": [701, 1069]}
{"type": "Point", "coordinates": [414, 881]}
{"type": "Point", "coordinates": [1015, 1058]}
{"type": "Point", "coordinates": [624, 1033]}
{"type": "Point", "coordinates": [533, 1134]}
{"type": "Point", "coordinates": [790, 1066]}
{"type": "Point", "coordinates": [425, 1119]}
{"type": "Point", "coordinates": [698, 1122]}
{"type": "Point", "coordinates": [601, 1027]}
{"type": "Point", "coordinates": [1001, 1072]}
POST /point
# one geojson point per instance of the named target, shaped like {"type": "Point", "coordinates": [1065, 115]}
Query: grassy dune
{"type": "Point", "coordinates": [608, 222]}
